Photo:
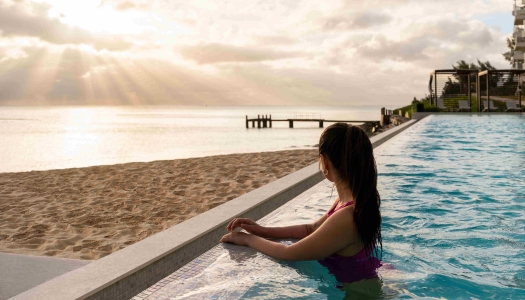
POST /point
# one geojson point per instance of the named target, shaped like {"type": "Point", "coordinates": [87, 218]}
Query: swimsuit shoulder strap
{"type": "Point", "coordinates": [341, 207]}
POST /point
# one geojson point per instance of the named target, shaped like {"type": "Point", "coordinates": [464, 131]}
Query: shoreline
{"type": "Point", "coordinates": [306, 147]}
{"type": "Point", "coordinates": [88, 213]}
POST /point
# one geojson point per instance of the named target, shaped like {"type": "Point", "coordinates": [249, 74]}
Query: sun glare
{"type": "Point", "coordinates": [90, 15]}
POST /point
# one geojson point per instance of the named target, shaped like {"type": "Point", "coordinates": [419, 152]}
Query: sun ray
{"type": "Point", "coordinates": [119, 85]}
{"type": "Point", "coordinates": [43, 75]}
{"type": "Point", "coordinates": [163, 89]}
{"type": "Point", "coordinates": [168, 76]}
{"type": "Point", "coordinates": [97, 79]}
{"type": "Point", "coordinates": [133, 75]}
{"type": "Point", "coordinates": [87, 78]}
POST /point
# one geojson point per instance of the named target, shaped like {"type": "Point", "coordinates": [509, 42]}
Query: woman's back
{"type": "Point", "coordinates": [354, 267]}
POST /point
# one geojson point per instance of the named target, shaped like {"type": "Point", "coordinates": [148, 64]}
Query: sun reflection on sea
{"type": "Point", "coordinates": [79, 137]}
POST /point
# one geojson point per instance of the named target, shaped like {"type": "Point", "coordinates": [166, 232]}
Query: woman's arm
{"type": "Point", "coordinates": [334, 234]}
{"type": "Point", "coordinates": [293, 232]}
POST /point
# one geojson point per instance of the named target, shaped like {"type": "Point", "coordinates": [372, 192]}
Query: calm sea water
{"type": "Point", "coordinates": [35, 138]}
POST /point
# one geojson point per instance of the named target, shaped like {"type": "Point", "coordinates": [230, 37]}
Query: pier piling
{"type": "Point", "coordinates": [385, 117]}
{"type": "Point", "coordinates": [266, 121]}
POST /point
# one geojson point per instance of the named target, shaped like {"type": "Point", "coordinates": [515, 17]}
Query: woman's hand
{"type": "Point", "coordinates": [237, 238]}
{"type": "Point", "coordinates": [247, 225]}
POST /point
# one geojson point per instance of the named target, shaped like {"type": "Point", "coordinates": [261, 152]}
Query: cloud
{"type": "Point", "coordinates": [242, 53]}
{"type": "Point", "coordinates": [15, 73]}
{"type": "Point", "coordinates": [78, 78]}
{"type": "Point", "coordinates": [31, 20]}
{"type": "Point", "coordinates": [219, 53]}
{"type": "Point", "coordinates": [275, 40]}
{"type": "Point", "coordinates": [424, 41]}
{"type": "Point", "coordinates": [361, 20]}
{"type": "Point", "coordinates": [129, 5]}
{"type": "Point", "coordinates": [379, 48]}
{"type": "Point", "coordinates": [125, 5]}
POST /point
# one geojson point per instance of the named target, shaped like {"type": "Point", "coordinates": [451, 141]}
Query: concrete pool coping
{"type": "Point", "coordinates": [127, 272]}
{"type": "Point", "coordinates": [421, 115]}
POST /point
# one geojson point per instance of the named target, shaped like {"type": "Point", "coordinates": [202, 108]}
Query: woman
{"type": "Point", "coordinates": [347, 239]}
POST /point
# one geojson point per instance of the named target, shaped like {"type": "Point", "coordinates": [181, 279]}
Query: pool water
{"type": "Point", "coordinates": [453, 207]}
{"type": "Point", "coordinates": [453, 190]}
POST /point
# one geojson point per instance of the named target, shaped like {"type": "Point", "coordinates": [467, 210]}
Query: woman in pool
{"type": "Point", "coordinates": [347, 238]}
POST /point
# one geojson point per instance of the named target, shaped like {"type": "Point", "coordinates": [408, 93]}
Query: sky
{"type": "Point", "coordinates": [222, 52]}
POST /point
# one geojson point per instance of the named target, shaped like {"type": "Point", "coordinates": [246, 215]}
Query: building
{"type": "Point", "coordinates": [519, 32]}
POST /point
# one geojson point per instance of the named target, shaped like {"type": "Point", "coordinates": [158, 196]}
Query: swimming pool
{"type": "Point", "coordinates": [453, 200]}
{"type": "Point", "coordinates": [453, 191]}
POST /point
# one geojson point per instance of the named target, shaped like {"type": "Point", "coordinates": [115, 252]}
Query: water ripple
{"type": "Point", "coordinates": [453, 206]}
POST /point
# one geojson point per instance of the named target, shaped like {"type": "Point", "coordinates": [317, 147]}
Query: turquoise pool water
{"type": "Point", "coordinates": [453, 206]}
{"type": "Point", "coordinates": [453, 190]}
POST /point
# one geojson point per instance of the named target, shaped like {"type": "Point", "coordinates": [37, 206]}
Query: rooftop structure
{"type": "Point", "coordinates": [500, 85]}
{"type": "Point", "coordinates": [453, 85]}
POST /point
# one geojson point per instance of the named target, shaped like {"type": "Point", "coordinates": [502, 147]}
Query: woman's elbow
{"type": "Point", "coordinates": [292, 254]}
{"type": "Point", "coordinates": [284, 254]}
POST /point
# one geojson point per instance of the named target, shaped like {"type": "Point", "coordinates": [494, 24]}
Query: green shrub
{"type": "Point", "coordinates": [431, 108]}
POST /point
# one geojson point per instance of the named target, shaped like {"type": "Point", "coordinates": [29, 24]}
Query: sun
{"type": "Point", "coordinates": [94, 17]}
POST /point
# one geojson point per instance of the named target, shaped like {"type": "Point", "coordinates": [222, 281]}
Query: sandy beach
{"type": "Point", "coordinates": [88, 213]}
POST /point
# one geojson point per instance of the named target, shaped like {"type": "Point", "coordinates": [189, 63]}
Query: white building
{"type": "Point", "coordinates": [519, 32]}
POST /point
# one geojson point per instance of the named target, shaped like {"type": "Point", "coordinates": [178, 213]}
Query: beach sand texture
{"type": "Point", "coordinates": [88, 213]}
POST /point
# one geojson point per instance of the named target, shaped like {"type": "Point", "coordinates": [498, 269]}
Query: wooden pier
{"type": "Point", "coordinates": [265, 121]}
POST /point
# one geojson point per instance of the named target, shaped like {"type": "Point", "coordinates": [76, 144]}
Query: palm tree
{"type": "Point", "coordinates": [462, 79]}
{"type": "Point", "coordinates": [509, 55]}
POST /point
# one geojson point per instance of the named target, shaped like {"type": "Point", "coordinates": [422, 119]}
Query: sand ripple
{"type": "Point", "coordinates": [87, 213]}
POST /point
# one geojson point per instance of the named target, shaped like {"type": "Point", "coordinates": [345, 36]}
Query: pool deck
{"type": "Point", "coordinates": [19, 273]}
{"type": "Point", "coordinates": [128, 272]}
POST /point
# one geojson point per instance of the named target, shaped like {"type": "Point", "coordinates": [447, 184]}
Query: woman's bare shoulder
{"type": "Point", "coordinates": [344, 216]}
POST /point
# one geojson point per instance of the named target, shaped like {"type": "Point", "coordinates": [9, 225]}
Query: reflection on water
{"type": "Point", "coordinates": [365, 289]}
{"type": "Point", "coordinates": [453, 206]}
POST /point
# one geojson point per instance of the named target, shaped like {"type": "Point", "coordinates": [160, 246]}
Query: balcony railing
{"type": "Point", "coordinates": [518, 32]}
{"type": "Point", "coordinates": [519, 15]}
{"type": "Point", "coordinates": [518, 55]}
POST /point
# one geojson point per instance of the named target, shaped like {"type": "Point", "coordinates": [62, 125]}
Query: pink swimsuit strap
{"type": "Point", "coordinates": [333, 210]}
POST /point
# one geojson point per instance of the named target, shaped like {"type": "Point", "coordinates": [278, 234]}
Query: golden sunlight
{"type": "Point", "coordinates": [93, 17]}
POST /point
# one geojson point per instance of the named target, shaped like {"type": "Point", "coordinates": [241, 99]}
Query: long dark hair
{"type": "Point", "coordinates": [351, 153]}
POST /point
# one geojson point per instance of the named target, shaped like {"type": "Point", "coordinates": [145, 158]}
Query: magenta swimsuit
{"type": "Point", "coordinates": [352, 268]}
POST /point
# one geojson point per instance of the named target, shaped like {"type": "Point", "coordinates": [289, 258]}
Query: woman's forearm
{"type": "Point", "coordinates": [272, 249]}
{"type": "Point", "coordinates": [292, 232]}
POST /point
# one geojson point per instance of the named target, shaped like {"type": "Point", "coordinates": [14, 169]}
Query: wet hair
{"type": "Point", "coordinates": [351, 153]}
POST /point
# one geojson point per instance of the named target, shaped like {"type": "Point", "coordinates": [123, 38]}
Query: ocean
{"type": "Point", "coordinates": [45, 138]}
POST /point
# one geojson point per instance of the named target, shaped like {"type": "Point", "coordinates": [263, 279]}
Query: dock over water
{"type": "Point", "coordinates": [265, 121]}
